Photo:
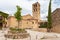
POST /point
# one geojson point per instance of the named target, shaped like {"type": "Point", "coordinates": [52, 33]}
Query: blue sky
{"type": "Point", "coordinates": [9, 6]}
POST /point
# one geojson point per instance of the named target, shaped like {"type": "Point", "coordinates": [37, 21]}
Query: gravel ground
{"type": "Point", "coordinates": [34, 35]}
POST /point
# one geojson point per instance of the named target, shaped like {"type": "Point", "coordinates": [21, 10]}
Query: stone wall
{"type": "Point", "coordinates": [56, 21]}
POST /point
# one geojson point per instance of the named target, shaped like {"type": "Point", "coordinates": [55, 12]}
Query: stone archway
{"type": "Point", "coordinates": [1, 23]}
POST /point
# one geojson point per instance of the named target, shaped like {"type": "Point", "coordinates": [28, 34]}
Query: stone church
{"type": "Point", "coordinates": [33, 21]}
{"type": "Point", "coordinates": [27, 21]}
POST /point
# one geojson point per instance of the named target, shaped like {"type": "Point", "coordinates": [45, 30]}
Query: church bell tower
{"type": "Point", "coordinates": [36, 10]}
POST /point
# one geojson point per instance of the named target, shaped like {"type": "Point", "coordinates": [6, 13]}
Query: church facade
{"type": "Point", "coordinates": [27, 21]}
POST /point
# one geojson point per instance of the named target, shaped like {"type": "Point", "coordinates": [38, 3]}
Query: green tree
{"type": "Point", "coordinates": [18, 15]}
{"type": "Point", "coordinates": [49, 18]}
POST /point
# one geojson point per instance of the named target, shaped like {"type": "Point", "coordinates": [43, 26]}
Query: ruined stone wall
{"type": "Point", "coordinates": [56, 21]}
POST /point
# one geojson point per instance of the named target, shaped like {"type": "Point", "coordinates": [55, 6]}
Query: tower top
{"type": "Point", "coordinates": [36, 3]}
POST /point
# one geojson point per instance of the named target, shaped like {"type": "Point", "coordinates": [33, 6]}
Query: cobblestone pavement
{"type": "Point", "coordinates": [34, 35]}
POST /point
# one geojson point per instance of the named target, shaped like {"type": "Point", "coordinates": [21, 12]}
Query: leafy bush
{"type": "Point", "coordinates": [17, 29]}
{"type": "Point", "coordinates": [12, 29]}
{"type": "Point", "coordinates": [43, 25]}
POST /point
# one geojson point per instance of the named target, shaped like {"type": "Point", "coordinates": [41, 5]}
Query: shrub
{"type": "Point", "coordinates": [17, 29]}
{"type": "Point", "coordinates": [43, 25]}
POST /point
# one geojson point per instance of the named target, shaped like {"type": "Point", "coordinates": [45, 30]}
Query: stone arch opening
{"type": "Point", "coordinates": [1, 23]}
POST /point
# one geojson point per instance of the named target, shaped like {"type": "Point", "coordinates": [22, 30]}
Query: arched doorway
{"type": "Point", "coordinates": [1, 23]}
